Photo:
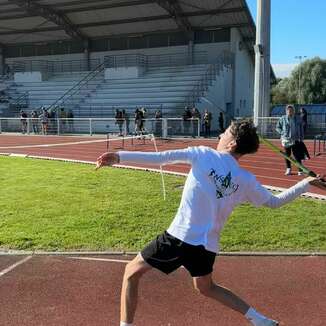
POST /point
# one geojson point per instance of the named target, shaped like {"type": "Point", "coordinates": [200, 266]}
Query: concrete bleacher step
{"type": "Point", "coordinates": [148, 89]}
{"type": "Point", "coordinates": [135, 103]}
{"type": "Point", "coordinates": [154, 79]}
{"type": "Point", "coordinates": [105, 96]}
{"type": "Point", "coordinates": [174, 74]}
{"type": "Point", "coordinates": [178, 68]}
{"type": "Point", "coordinates": [170, 83]}
{"type": "Point", "coordinates": [167, 87]}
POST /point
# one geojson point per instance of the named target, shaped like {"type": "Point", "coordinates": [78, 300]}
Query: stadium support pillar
{"type": "Point", "coordinates": [191, 37]}
{"type": "Point", "coordinates": [262, 60]}
{"type": "Point", "coordinates": [2, 61]}
{"type": "Point", "coordinates": [87, 55]}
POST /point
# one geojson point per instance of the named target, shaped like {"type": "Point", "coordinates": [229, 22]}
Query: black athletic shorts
{"type": "Point", "coordinates": [167, 253]}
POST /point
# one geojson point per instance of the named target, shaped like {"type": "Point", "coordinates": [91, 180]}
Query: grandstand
{"type": "Point", "coordinates": [94, 57]}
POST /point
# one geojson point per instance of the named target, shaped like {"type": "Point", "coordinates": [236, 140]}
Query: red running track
{"type": "Point", "coordinates": [60, 291]}
{"type": "Point", "coordinates": [265, 164]}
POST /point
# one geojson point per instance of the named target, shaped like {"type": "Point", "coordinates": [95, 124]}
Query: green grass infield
{"type": "Point", "coordinates": [59, 206]}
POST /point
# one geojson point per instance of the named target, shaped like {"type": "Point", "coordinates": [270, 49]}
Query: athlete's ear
{"type": "Point", "coordinates": [232, 145]}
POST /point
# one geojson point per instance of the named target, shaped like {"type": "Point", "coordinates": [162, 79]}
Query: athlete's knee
{"type": "Point", "coordinates": [134, 270]}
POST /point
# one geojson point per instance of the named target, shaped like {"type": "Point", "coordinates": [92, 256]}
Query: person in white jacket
{"type": "Point", "coordinates": [214, 186]}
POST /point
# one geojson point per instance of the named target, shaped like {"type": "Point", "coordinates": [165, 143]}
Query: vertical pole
{"type": "Point", "coordinates": [2, 60]}
{"type": "Point", "coordinates": [58, 124]}
{"type": "Point", "coordinates": [90, 127]}
{"type": "Point", "coordinates": [125, 127]}
{"type": "Point", "coordinates": [165, 127]}
{"type": "Point", "coordinates": [299, 101]}
{"type": "Point", "coordinates": [198, 127]}
{"type": "Point", "coordinates": [191, 37]}
{"type": "Point", "coordinates": [262, 60]}
{"type": "Point", "coordinates": [87, 55]}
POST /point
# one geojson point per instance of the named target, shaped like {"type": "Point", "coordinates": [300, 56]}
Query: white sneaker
{"type": "Point", "coordinates": [268, 322]}
{"type": "Point", "coordinates": [300, 173]}
{"type": "Point", "coordinates": [287, 171]}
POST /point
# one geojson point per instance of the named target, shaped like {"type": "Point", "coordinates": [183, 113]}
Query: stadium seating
{"type": "Point", "coordinates": [47, 92]}
{"type": "Point", "coordinates": [165, 88]}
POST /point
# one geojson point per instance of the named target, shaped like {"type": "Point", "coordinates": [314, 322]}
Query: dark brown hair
{"type": "Point", "coordinates": [245, 134]}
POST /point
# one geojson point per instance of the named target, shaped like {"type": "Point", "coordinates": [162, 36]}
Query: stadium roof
{"type": "Point", "coordinates": [39, 21]}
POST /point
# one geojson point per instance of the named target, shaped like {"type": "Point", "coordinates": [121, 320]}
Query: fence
{"type": "Point", "coordinates": [267, 127]}
{"type": "Point", "coordinates": [157, 60]}
{"type": "Point", "coordinates": [167, 127]}
{"type": "Point", "coordinates": [51, 67]}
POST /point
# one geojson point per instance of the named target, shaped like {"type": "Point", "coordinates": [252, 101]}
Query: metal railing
{"type": "Point", "coordinates": [156, 60]}
{"type": "Point", "coordinates": [21, 102]}
{"type": "Point", "coordinates": [225, 60]}
{"type": "Point", "coordinates": [68, 99]}
{"type": "Point", "coordinates": [125, 60]}
{"type": "Point", "coordinates": [177, 59]}
{"type": "Point", "coordinates": [165, 127]}
{"type": "Point", "coordinates": [51, 67]}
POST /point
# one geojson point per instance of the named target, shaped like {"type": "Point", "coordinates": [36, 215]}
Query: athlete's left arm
{"type": "Point", "coordinates": [187, 155]}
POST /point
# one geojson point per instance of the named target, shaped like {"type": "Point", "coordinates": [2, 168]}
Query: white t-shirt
{"type": "Point", "coordinates": [214, 186]}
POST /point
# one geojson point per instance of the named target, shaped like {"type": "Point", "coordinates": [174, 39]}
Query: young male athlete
{"type": "Point", "coordinates": [215, 185]}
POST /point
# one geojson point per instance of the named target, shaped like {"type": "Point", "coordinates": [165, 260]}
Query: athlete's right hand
{"type": "Point", "coordinates": [318, 181]}
{"type": "Point", "coordinates": [108, 158]}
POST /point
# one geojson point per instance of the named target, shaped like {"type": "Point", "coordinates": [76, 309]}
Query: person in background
{"type": "Point", "coordinates": [125, 116]}
{"type": "Point", "coordinates": [70, 117]}
{"type": "Point", "coordinates": [303, 147]}
{"type": "Point", "coordinates": [207, 123]}
{"type": "Point", "coordinates": [143, 117]}
{"type": "Point", "coordinates": [138, 121]}
{"type": "Point", "coordinates": [158, 123]}
{"type": "Point", "coordinates": [63, 119]}
{"type": "Point", "coordinates": [44, 119]}
{"type": "Point", "coordinates": [221, 122]}
{"type": "Point", "coordinates": [119, 120]}
{"type": "Point", "coordinates": [196, 118]}
{"type": "Point", "coordinates": [23, 121]}
{"type": "Point", "coordinates": [289, 127]}
{"type": "Point", "coordinates": [34, 117]}
{"type": "Point", "coordinates": [304, 118]}
{"type": "Point", "coordinates": [186, 116]}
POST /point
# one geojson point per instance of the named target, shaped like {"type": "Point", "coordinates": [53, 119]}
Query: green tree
{"type": "Point", "coordinates": [306, 84]}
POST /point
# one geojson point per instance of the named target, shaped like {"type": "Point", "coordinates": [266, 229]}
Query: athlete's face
{"type": "Point", "coordinates": [227, 141]}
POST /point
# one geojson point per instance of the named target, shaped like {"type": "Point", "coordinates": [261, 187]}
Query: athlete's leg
{"type": "Point", "coordinates": [129, 292]}
{"type": "Point", "coordinates": [206, 286]}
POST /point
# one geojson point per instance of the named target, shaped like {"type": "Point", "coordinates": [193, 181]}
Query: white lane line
{"type": "Point", "coordinates": [10, 268]}
{"type": "Point", "coordinates": [102, 259]}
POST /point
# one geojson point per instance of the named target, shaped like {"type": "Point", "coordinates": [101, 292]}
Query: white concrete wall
{"type": "Point", "coordinates": [244, 77]}
{"type": "Point", "coordinates": [28, 77]}
{"type": "Point", "coordinates": [123, 73]}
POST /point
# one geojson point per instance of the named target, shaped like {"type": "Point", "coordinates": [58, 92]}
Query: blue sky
{"type": "Point", "coordinates": [298, 28]}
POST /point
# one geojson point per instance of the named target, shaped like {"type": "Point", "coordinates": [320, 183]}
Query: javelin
{"type": "Point", "coordinates": [295, 162]}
